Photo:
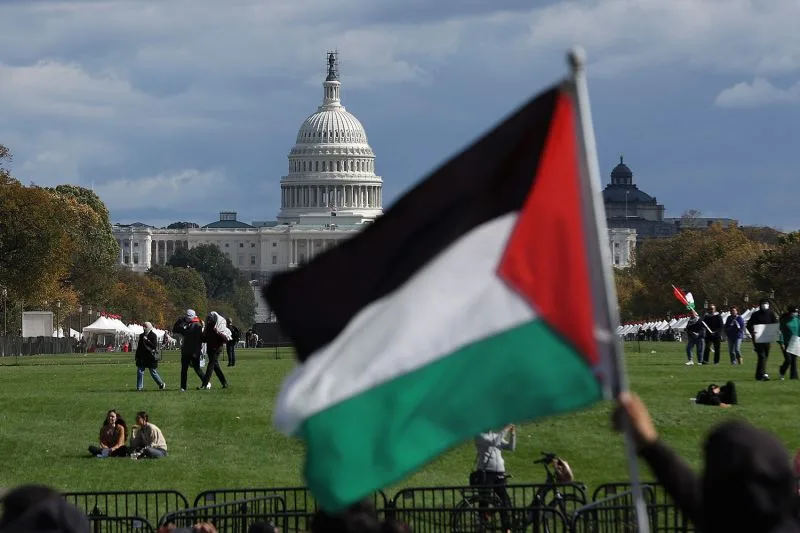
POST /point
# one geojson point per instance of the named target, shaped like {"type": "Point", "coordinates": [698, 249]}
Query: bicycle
{"type": "Point", "coordinates": [478, 510]}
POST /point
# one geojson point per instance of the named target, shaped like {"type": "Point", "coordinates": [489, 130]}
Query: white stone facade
{"type": "Point", "coordinates": [623, 246]}
{"type": "Point", "coordinates": [329, 194]}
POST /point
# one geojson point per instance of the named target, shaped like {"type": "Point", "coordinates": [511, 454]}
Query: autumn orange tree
{"type": "Point", "coordinates": [716, 264]}
{"type": "Point", "coordinates": [778, 270]}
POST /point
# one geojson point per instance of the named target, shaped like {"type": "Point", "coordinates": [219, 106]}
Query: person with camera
{"type": "Point", "coordinates": [190, 329]}
{"type": "Point", "coordinates": [490, 468]}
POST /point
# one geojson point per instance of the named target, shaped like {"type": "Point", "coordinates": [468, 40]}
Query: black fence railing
{"type": "Point", "coordinates": [149, 505]}
{"type": "Point", "coordinates": [663, 515]}
{"type": "Point", "coordinates": [455, 509]}
{"type": "Point", "coordinates": [120, 524]}
{"type": "Point", "coordinates": [235, 516]}
{"type": "Point", "coordinates": [15, 346]}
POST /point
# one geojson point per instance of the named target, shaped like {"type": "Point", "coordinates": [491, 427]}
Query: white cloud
{"type": "Point", "coordinates": [117, 83]}
{"type": "Point", "coordinates": [756, 94]}
{"type": "Point", "coordinates": [188, 187]}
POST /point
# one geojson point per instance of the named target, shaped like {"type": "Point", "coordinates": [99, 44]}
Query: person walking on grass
{"type": "Point", "coordinates": [789, 341]}
{"type": "Point", "coordinates": [188, 327]}
{"type": "Point", "coordinates": [147, 357]}
{"type": "Point", "coordinates": [230, 346]}
{"type": "Point", "coordinates": [734, 331]}
{"type": "Point", "coordinates": [763, 316]}
{"type": "Point", "coordinates": [696, 335]}
{"type": "Point", "coordinates": [713, 323]}
{"type": "Point", "coordinates": [216, 334]}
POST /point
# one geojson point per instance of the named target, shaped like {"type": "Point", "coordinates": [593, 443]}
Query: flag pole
{"type": "Point", "coordinates": [605, 299]}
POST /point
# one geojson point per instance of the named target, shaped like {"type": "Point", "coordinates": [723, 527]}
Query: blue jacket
{"type": "Point", "coordinates": [734, 327]}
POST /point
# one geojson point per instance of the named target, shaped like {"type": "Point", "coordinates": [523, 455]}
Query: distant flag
{"type": "Point", "coordinates": [482, 297]}
{"type": "Point", "coordinates": [685, 298]}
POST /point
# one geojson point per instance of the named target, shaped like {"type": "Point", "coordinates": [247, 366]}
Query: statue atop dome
{"type": "Point", "coordinates": [333, 71]}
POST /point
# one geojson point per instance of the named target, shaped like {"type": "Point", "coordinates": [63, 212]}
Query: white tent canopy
{"type": "Point", "coordinates": [106, 331]}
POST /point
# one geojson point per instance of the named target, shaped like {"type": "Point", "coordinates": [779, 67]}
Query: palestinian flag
{"type": "Point", "coordinates": [480, 298]}
{"type": "Point", "coordinates": [685, 298]}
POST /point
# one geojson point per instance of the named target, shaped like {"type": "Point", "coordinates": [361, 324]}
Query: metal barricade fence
{"type": "Point", "coordinates": [665, 517]}
{"type": "Point", "coordinates": [147, 504]}
{"type": "Point", "coordinates": [462, 508]}
{"type": "Point", "coordinates": [614, 514]}
{"type": "Point", "coordinates": [300, 505]}
{"type": "Point", "coordinates": [120, 524]}
{"type": "Point", "coordinates": [234, 516]}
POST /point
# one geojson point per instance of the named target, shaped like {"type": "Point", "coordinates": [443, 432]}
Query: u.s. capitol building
{"type": "Point", "coordinates": [329, 193]}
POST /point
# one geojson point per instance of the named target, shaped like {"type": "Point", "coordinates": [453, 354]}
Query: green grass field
{"type": "Point", "coordinates": [51, 408]}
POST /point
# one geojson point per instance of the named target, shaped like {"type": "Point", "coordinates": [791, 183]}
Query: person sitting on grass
{"type": "Point", "coordinates": [748, 484]}
{"type": "Point", "coordinates": [147, 440]}
{"type": "Point", "coordinates": [113, 433]}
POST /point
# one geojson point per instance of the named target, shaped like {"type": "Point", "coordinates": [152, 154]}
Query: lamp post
{"type": "Point", "coordinates": [58, 309]}
{"type": "Point", "coordinates": [746, 300]}
{"type": "Point", "coordinates": [80, 318]}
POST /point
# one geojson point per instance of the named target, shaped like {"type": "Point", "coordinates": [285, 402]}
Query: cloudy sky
{"type": "Point", "coordinates": [177, 109]}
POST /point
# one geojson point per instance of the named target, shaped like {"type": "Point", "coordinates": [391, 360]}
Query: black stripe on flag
{"type": "Point", "coordinates": [489, 179]}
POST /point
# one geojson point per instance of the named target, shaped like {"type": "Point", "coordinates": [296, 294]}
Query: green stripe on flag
{"type": "Point", "coordinates": [375, 439]}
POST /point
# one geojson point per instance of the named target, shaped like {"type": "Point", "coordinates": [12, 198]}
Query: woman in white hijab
{"type": "Point", "coordinates": [147, 357]}
{"type": "Point", "coordinates": [216, 334]}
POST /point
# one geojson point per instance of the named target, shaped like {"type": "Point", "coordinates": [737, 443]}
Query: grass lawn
{"type": "Point", "coordinates": [51, 408]}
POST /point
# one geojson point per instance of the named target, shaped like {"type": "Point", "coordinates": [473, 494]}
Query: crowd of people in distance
{"type": "Point", "coordinates": [704, 335]}
{"type": "Point", "coordinates": [146, 439]}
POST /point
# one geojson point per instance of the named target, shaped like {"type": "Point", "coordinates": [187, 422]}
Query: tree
{"type": "Point", "coordinates": [6, 157]}
{"type": "Point", "coordinates": [36, 248]}
{"type": "Point", "coordinates": [628, 287]}
{"type": "Point", "coordinates": [95, 251]}
{"type": "Point", "coordinates": [762, 234]}
{"type": "Point", "coordinates": [218, 272]}
{"type": "Point", "coordinates": [183, 225]}
{"type": "Point", "coordinates": [223, 281]}
{"type": "Point", "coordinates": [185, 288]}
{"type": "Point", "coordinates": [686, 260]}
{"type": "Point", "coordinates": [140, 299]}
{"type": "Point", "coordinates": [777, 269]}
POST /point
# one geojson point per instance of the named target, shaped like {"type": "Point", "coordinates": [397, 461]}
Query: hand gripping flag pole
{"type": "Point", "coordinates": [591, 172]}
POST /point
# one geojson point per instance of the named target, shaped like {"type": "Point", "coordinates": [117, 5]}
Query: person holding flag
{"type": "Point", "coordinates": [695, 338]}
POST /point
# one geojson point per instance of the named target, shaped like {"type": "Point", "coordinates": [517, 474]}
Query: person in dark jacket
{"type": "Point", "coordinates": [147, 357]}
{"type": "Point", "coordinates": [216, 334]}
{"type": "Point", "coordinates": [230, 346]}
{"type": "Point", "coordinates": [190, 329]}
{"type": "Point", "coordinates": [723, 396]}
{"type": "Point", "coordinates": [713, 321]}
{"type": "Point", "coordinates": [747, 485]}
{"type": "Point", "coordinates": [696, 334]}
{"type": "Point", "coordinates": [764, 315]}
{"type": "Point", "coordinates": [789, 324]}
{"type": "Point", "coordinates": [734, 331]}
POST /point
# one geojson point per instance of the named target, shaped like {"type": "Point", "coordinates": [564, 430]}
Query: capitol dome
{"type": "Point", "coordinates": [331, 166]}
